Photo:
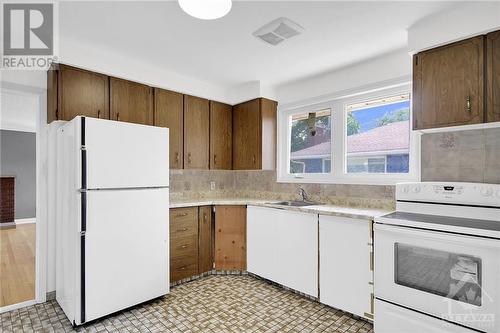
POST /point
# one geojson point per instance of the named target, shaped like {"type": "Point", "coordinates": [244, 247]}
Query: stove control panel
{"type": "Point", "coordinates": [445, 192]}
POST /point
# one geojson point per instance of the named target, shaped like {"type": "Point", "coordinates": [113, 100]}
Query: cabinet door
{"type": "Point", "coordinates": [169, 112]}
{"type": "Point", "coordinates": [82, 93]}
{"type": "Point", "coordinates": [206, 235]}
{"type": "Point", "coordinates": [183, 243]}
{"type": "Point", "coordinates": [230, 237]}
{"type": "Point", "coordinates": [52, 113]}
{"type": "Point", "coordinates": [493, 77]}
{"type": "Point", "coordinates": [221, 129]}
{"type": "Point", "coordinates": [448, 85]}
{"type": "Point", "coordinates": [283, 247]}
{"type": "Point", "coordinates": [247, 133]}
{"type": "Point", "coordinates": [196, 132]}
{"type": "Point", "coordinates": [131, 102]}
{"type": "Point", "coordinates": [345, 264]}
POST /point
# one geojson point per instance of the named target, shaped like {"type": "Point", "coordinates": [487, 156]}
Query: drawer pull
{"type": "Point", "coordinates": [182, 214]}
{"type": "Point", "coordinates": [183, 229]}
{"type": "Point", "coordinates": [184, 246]}
{"type": "Point", "coordinates": [183, 268]}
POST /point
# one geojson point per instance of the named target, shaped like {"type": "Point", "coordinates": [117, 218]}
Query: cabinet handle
{"type": "Point", "coordinates": [118, 116]}
{"type": "Point", "coordinates": [183, 229]}
{"type": "Point", "coordinates": [189, 158]}
{"type": "Point", "coordinates": [181, 214]}
{"type": "Point", "coordinates": [468, 104]}
{"type": "Point", "coordinates": [184, 246]}
{"type": "Point", "coordinates": [98, 113]}
{"type": "Point", "coordinates": [183, 268]}
{"type": "Point", "coordinates": [205, 217]}
{"type": "Point", "coordinates": [215, 159]}
{"type": "Point", "coordinates": [253, 158]}
{"type": "Point", "coordinates": [177, 157]}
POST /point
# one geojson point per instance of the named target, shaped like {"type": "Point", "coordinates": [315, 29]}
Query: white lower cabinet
{"type": "Point", "coordinates": [345, 264]}
{"type": "Point", "coordinates": [282, 246]}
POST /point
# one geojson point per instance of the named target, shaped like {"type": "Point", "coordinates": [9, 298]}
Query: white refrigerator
{"type": "Point", "coordinates": [112, 223]}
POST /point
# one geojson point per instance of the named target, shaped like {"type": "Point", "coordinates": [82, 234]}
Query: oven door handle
{"type": "Point", "coordinates": [474, 241]}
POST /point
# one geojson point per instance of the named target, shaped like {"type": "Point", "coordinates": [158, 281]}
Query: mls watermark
{"type": "Point", "coordinates": [28, 36]}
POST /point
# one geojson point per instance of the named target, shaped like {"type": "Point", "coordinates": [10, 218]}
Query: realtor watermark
{"type": "Point", "coordinates": [28, 36]}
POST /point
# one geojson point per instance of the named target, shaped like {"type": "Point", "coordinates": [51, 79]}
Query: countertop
{"type": "Point", "coordinates": [351, 212]}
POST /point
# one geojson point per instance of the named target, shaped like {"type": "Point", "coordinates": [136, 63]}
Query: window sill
{"type": "Point", "coordinates": [349, 180]}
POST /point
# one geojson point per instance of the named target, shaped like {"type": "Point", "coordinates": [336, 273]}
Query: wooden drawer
{"type": "Point", "coordinates": [183, 222]}
{"type": "Point", "coordinates": [182, 268]}
{"type": "Point", "coordinates": [184, 246]}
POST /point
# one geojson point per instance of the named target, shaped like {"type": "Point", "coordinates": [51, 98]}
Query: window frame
{"type": "Point", "coordinates": [338, 173]}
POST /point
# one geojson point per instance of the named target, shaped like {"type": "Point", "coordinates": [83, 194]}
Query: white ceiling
{"type": "Point", "coordinates": [224, 51]}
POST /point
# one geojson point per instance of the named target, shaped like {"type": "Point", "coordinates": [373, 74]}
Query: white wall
{"type": "Point", "coordinates": [464, 20]}
{"type": "Point", "coordinates": [391, 66]}
{"type": "Point", "coordinates": [109, 62]}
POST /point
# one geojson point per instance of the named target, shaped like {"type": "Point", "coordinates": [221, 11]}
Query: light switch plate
{"type": "Point", "coordinates": [212, 186]}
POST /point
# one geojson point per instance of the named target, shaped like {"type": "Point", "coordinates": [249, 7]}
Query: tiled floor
{"type": "Point", "coordinates": [210, 304]}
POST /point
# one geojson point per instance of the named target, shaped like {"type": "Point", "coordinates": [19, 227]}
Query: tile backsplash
{"type": "Point", "coordinates": [195, 184]}
{"type": "Point", "coordinates": [468, 156]}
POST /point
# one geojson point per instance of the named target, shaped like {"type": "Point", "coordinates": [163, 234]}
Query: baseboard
{"type": "Point", "coordinates": [16, 306]}
{"type": "Point", "coordinates": [51, 295]}
{"type": "Point", "coordinates": [7, 225]}
{"type": "Point", "coordinates": [25, 221]}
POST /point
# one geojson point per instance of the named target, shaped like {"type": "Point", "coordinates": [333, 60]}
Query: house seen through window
{"type": "Point", "coordinates": [310, 142]}
{"type": "Point", "coordinates": [378, 136]}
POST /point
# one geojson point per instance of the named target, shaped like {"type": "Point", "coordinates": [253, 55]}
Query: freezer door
{"type": "Point", "coordinates": [124, 155]}
{"type": "Point", "coordinates": [126, 249]}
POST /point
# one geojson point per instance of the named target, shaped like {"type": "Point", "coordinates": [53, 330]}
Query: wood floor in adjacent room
{"type": "Point", "coordinates": [17, 264]}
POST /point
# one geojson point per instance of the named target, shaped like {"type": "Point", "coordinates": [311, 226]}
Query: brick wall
{"type": "Point", "coordinates": [7, 185]}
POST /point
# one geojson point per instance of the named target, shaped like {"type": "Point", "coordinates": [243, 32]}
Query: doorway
{"type": "Point", "coordinates": [18, 196]}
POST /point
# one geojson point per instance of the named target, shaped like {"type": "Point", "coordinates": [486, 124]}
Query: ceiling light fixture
{"type": "Point", "coordinates": [206, 9]}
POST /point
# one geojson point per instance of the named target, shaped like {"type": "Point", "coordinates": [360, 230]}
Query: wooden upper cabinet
{"type": "Point", "coordinates": [230, 237]}
{"type": "Point", "coordinates": [196, 132]}
{"type": "Point", "coordinates": [221, 129]}
{"type": "Point", "coordinates": [52, 113]}
{"type": "Point", "coordinates": [78, 93]}
{"type": "Point", "coordinates": [254, 135]}
{"type": "Point", "coordinates": [131, 102]}
{"type": "Point", "coordinates": [169, 112]}
{"type": "Point", "coordinates": [493, 77]}
{"type": "Point", "coordinates": [448, 85]}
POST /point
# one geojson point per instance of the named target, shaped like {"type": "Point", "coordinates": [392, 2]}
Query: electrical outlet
{"type": "Point", "coordinates": [212, 186]}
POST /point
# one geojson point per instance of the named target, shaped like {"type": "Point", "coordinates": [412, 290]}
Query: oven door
{"type": "Point", "coordinates": [451, 277]}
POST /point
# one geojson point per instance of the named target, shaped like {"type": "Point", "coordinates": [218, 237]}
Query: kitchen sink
{"type": "Point", "coordinates": [296, 203]}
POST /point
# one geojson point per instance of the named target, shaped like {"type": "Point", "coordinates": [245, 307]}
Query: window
{"type": "Point", "coordinates": [362, 138]}
{"type": "Point", "coordinates": [378, 135]}
{"type": "Point", "coordinates": [310, 142]}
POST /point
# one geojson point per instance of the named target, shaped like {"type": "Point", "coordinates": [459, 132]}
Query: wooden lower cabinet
{"type": "Point", "coordinates": [199, 244]}
{"type": "Point", "coordinates": [230, 238]}
{"type": "Point", "coordinates": [205, 240]}
{"type": "Point", "coordinates": [183, 243]}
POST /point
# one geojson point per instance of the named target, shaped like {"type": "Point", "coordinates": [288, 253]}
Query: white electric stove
{"type": "Point", "coordinates": [437, 260]}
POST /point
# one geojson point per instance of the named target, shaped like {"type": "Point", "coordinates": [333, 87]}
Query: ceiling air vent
{"type": "Point", "coordinates": [278, 30]}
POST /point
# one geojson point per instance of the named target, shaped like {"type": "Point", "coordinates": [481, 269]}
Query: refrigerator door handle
{"type": "Point", "coordinates": [84, 190]}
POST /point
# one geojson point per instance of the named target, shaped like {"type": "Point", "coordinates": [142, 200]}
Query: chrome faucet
{"type": "Point", "coordinates": [303, 194]}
